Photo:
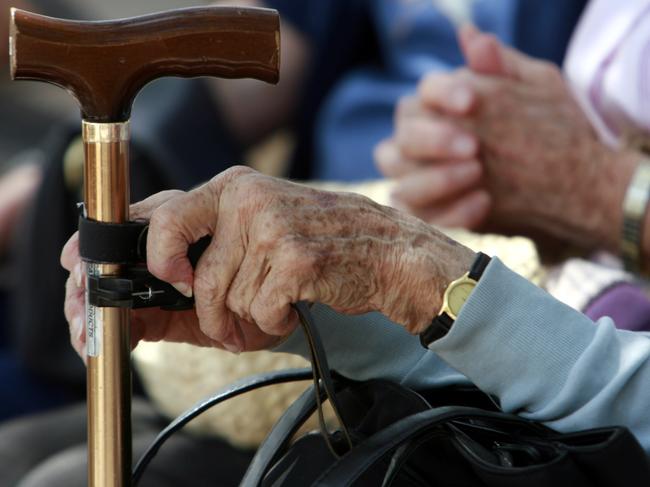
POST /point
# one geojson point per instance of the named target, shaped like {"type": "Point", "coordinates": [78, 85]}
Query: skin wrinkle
{"type": "Point", "coordinates": [508, 166]}
{"type": "Point", "coordinates": [277, 243]}
{"type": "Point", "coordinates": [545, 173]}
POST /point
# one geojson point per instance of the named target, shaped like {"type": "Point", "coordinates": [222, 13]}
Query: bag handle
{"type": "Point", "coordinates": [365, 454]}
{"type": "Point", "coordinates": [322, 377]}
{"type": "Point", "coordinates": [279, 438]}
{"type": "Point", "coordinates": [240, 387]}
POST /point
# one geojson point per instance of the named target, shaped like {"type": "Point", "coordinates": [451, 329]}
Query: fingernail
{"type": "Point", "coordinates": [460, 98]}
{"type": "Point", "coordinates": [463, 146]}
{"type": "Point", "coordinates": [183, 288]}
{"type": "Point", "coordinates": [232, 348]}
{"type": "Point", "coordinates": [77, 274]}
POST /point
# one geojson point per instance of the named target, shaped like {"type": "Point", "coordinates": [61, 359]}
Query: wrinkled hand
{"type": "Point", "coordinates": [544, 168]}
{"type": "Point", "coordinates": [275, 243]}
{"type": "Point", "coordinates": [434, 161]}
{"type": "Point", "coordinates": [151, 324]}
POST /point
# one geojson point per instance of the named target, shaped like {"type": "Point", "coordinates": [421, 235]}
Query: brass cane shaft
{"type": "Point", "coordinates": [106, 197]}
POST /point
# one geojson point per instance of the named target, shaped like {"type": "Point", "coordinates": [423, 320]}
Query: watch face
{"type": "Point", "coordinates": [458, 295]}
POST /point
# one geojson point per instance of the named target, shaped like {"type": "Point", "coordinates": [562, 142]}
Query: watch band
{"type": "Point", "coordinates": [478, 266]}
{"type": "Point", "coordinates": [438, 328]}
{"type": "Point", "coordinates": [634, 210]}
{"type": "Point", "coordinates": [441, 324]}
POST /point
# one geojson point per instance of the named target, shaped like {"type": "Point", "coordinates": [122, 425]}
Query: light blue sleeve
{"type": "Point", "coordinates": [542, 359]}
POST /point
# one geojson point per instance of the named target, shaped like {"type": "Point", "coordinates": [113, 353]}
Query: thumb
{"type": "Point", "coordinates": [485, 54]}
{"type": "Point", "coordinates": [173, 227]}
{"type": "Point", "coordinates": [181, 221]}
{"type": "Point", "coordinates": [482, 51]}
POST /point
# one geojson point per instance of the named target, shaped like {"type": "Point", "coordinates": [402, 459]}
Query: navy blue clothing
{"type": "Point", "coordinates": [368, 53]}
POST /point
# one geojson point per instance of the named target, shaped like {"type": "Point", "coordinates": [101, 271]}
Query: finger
{"type": "Point", "coordinates": [271, 308]}
{"type": "Point", "coordinates": [452, 94]}
{"type": "Point", "coordinates": [469, 211]}
{"type": "Point", "coordinates": [173, 226]}
{"type": "Point", "coordinates": [485, 54]}
{"type": "Point", "coordinates": [243, 290]}
{"type": "Point", "coordinates": [409, 106]}
{"type": "Point", "coordinates": [391, 162]}
{"type": "Point", "coordinates": [153, 324]}
{"type": "Point", "coordinates": [246, 282]}
{"type": "Point", "coordinates": [430, 138]}
{"type": "Point", "coordinates": [482, 52]}
{"type": "Point", "coordinates": [70, 253]}
{"type": "Point", "coordinates": [437, 183]}
{"type": "Point", "coordinates": [142, 210]}
{"type": "Point", "coordinates": [181, 221]}
{"type": "Point", "coordinates": [256, 339]}
{"type": "Point", "coordinates": [74, 310]}
{"type": "Point", "coordinates": [214, 274]}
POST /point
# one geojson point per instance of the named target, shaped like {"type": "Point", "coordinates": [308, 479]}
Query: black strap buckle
{"type": "Point", "coordinates": [135, 287]}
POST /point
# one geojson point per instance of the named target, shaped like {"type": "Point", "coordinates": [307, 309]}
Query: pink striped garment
{"type": "Point", "coordinates": [608, 66]}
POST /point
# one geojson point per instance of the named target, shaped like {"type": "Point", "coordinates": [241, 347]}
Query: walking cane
{"type": "Point", "coordinates": [104, 65]}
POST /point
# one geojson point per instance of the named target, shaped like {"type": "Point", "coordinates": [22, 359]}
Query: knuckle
{"type": "Point", "coordinates": [143, 209]}
{"type": "Point", "coordinates": [211, 322]}
{"type": "Point", "coordinates": [162, 219]}
{"type": "Point", "coordinates": [403, 133]}
{"type": "Point", "coordinates": [267, 314]}
{"type": "Point", "coordinates": [381, 152]}
{"type": "Point", "coordinates": [232, 174]}
{"type": "Point", "coordinates": [306, 264]}
{"type": "Point", "coordinates": [259, 313]}
{"type": "Point", "coordinates": [236, 302]}
{"type": "Point", "coordinates": [210, 328]}
{"type": "Point", "coordinates": [406, 105]}
{"type": "Point", "coordinates": [205, 289]}
{"type": "Point", "coordinates": [412, 135]}
{"type": "Point", "coordinates": [428, 83]}
{"type": "Point", "coordinates": [266, 238]}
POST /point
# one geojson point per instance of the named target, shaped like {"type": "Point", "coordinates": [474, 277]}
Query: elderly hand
{"type": "Point", "coordinates": [435, 161]}
{"type": "Point", "coordinates": [544, 168]}
{"type": "Point", "coordinates": [275, 243]}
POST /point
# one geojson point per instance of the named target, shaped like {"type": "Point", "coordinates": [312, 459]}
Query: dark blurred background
{"type": "Point", "coordinates": [27, 109]}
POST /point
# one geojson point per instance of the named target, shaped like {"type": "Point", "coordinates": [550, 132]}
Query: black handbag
{"type": "Point", "coordinates": [393, 436]}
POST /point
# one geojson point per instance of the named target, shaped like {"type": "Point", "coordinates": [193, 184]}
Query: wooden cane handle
{"type": "Point", "coordinates": [105, 64]}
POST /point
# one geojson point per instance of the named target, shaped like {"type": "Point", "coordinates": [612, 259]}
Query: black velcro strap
{"type": "Point", "coordinates": [480, 263]}
{"type": "Point", "coordinates": [112, 243]}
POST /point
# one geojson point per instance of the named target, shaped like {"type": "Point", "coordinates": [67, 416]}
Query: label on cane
{"type": "Point", "coordinates": [93, 320]}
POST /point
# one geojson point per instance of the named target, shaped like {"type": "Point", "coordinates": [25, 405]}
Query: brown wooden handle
{"type": "Point", "coordinates": [105, 64]}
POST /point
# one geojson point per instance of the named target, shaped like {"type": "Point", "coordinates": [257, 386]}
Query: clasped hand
{"type": "Point", "coordinates": [501, 145]}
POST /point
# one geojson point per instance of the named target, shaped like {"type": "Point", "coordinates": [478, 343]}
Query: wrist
{"type": "Point", "coordinates": [634, 237]}
{"type": "Point", "coordinates": [418, 275]}
{"type": "Point", "coordinates": [616, 174]}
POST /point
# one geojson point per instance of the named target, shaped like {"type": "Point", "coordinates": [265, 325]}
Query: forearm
{"type": "Point", "coordinates": [614, 186]}
{"type": "Point", "coordinates": [542, 359]}
{"type": "Point", "coordinates": [548, 362]}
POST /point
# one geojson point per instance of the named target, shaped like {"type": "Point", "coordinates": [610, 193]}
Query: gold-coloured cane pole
{"type": "Point", "coordinates": [106, 198]}
{"type": "Point", "coordinates": [104, 65]}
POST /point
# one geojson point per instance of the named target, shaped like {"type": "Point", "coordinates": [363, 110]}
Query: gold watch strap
{"type": "Point", "coordinates": [634, 210]}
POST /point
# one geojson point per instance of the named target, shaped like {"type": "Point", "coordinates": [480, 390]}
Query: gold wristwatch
{"type": "Point", "coordinates": [456, 294]}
